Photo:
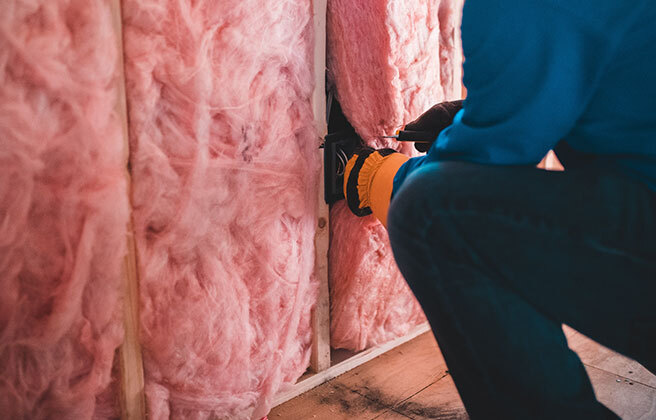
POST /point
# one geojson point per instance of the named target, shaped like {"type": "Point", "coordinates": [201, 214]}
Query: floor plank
{"type": "Point", "coordinates": [628, 399]}
{"type": "Point", "coordinates": [391, 415]}
{"type": "Point", "coordinates": [328, 401]}
{"type": "Point", "coordinates": [411, 382]}
{"type": "Point", "coordinates": [569, 331]}
{"type": "Point", "coordinates": [594, 354]}
{"type": "Point", "coordinates": [438, 401]}
{"type": "Point", "coordinates": [399, 373]}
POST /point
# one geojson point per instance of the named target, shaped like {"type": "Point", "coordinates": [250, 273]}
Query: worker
{"type": "Point", "coordinates": [500, 253]}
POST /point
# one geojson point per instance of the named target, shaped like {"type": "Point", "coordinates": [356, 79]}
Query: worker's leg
{"type": "Point", "coordinates": [499, 257]}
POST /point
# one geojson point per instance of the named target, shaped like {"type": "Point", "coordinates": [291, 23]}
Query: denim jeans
{"type": "Point", "coordinates": [501, 256]}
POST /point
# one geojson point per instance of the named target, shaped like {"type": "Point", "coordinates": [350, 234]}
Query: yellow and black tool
{"type": "Point", "coordinates": [414, 136]}
{"type": "Point", "coordinates": [423, 139]}
{"type": "Point", "coordinates": [338, 147]}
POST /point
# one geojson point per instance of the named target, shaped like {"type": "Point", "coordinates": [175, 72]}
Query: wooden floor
{"type": "Point", "coordinates": [391, 388]}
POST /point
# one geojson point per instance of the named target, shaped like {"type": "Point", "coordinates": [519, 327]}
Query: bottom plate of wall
{"type": "Point", "coordinates": [343, 361]}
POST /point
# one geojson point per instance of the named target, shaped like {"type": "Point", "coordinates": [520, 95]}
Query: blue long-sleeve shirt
{"type": "Point", "coordinates": [575, 75]}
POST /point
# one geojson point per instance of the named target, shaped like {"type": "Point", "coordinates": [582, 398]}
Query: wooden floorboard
{"type": "Point", "coordinates": [412, 382]}
{"type": "Point", "coordinates": [373, 389]}
{"type": "Point", "coordinates": [391, 415]}
{"type": "Point", "coordinates": [343, 361]}
{"type": "Point", "coordinates": [438, 401]}
{"type": "Point", "coordinates": [596, 355]}
{"type": "Point", "coordinates": [328, 401]}
{"type": "Point", "coordinates": [628, 399]}
{"type": "Point", "coordinates": [398, 374]}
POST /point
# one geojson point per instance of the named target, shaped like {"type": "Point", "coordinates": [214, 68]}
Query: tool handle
{"type": "Point", "coordinates": [417, 136]}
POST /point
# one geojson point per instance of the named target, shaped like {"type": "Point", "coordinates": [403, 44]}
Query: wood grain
{"type": "Point", "coordinates": [341, 365]}
{"type": "Point", "coordinates": [400, 385]}
{"type": "Point", "coordinates": [320, 356]}
{"type": "Point", "coordinates": [391, 415]}
{"type": "Point", "coordinates": [133, 406]}
{"type": "Point", "coordinates": [628, 399]}
{"type": "Point", "coordinates": [438, 401]}
{"type": "Point", "coordinates": [352, 396]}
{"type": "Point", "coordinates": [398, 374]}
{"type": "Point", "coordinates": [600, 357]}
{"type": "Point", "coordinates": [328, 401]}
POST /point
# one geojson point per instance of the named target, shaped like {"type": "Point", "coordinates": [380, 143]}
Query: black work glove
{"type": "Point", "coordinates": [435, 120]}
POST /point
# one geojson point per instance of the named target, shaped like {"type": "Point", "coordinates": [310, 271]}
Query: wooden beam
{"type": "Point", "coordinates": [320, 356]}
{"type": "Point", "coordinates": [133, 405]}
{"type": "Point", "coordinates": [459, 56]}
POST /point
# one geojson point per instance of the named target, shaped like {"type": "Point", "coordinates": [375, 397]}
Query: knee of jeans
{"type": "Point", "coordinates": [408, 211]}
{"type": "Point", "coordinates": [432, 185]}
{"type": "Point", "coordinates": [401, 210]}
{"type": "Point", "coordinates": [409, 204]}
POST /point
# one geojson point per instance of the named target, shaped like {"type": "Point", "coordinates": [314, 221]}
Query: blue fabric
{"type": "Point", "coordinates": [576, 75]}
{"type": "Point", "coordinates": [500, 256]}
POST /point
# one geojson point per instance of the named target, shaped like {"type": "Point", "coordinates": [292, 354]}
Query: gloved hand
{"type": "Point", "coordinates": [369, 174]}
{"type": "Point", "coordinates": [434, 120]}
{"type": "Point", "coordinates": [369, 179]}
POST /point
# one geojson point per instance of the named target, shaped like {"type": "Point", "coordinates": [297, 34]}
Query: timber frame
{"type": "Point", "coordinates": [132, 396]}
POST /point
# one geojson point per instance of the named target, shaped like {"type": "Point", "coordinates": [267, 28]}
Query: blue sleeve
{"type": "Point", "coordinates": [531, 66]}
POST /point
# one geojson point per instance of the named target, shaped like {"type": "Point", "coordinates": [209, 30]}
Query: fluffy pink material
{"type": "Point", "coordinates": [389, 61]}
{"type": "Point", "coordinates": [376, 305]}
{"type": "Point", "coordinates": [225, 185]}
{"type": "Point", "coordinates": [63, 209]}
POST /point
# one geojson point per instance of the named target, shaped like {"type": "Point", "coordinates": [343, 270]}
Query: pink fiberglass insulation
{"type": "Point", "coordinates": [389, 61]}
{"type": "Point", "coordinates": [63, 209]}
{"type": "Point", "coordinates": [372, 303]}
{"type": "Point", "coordinates": [223, 157]}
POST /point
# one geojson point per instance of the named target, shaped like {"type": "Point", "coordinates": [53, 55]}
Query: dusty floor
{"type": "Point", "coordinates": [388, 388]}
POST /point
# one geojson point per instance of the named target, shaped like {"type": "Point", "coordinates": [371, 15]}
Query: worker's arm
{"type": "Point", "coordinates": [531, 67]}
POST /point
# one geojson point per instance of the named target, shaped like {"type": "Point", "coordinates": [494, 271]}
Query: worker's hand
{"type": "Point", "coordinates": [434, 120]}
{"type": "Point", "coordinates": [369, 179]}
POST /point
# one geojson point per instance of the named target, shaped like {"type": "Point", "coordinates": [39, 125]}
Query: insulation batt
{"type": "Point", "coordinates": [389, 61]}
{"type": "Point", "coordinates": [225, 174]}
{"type": "Point", "coordinates": [63, 209]}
